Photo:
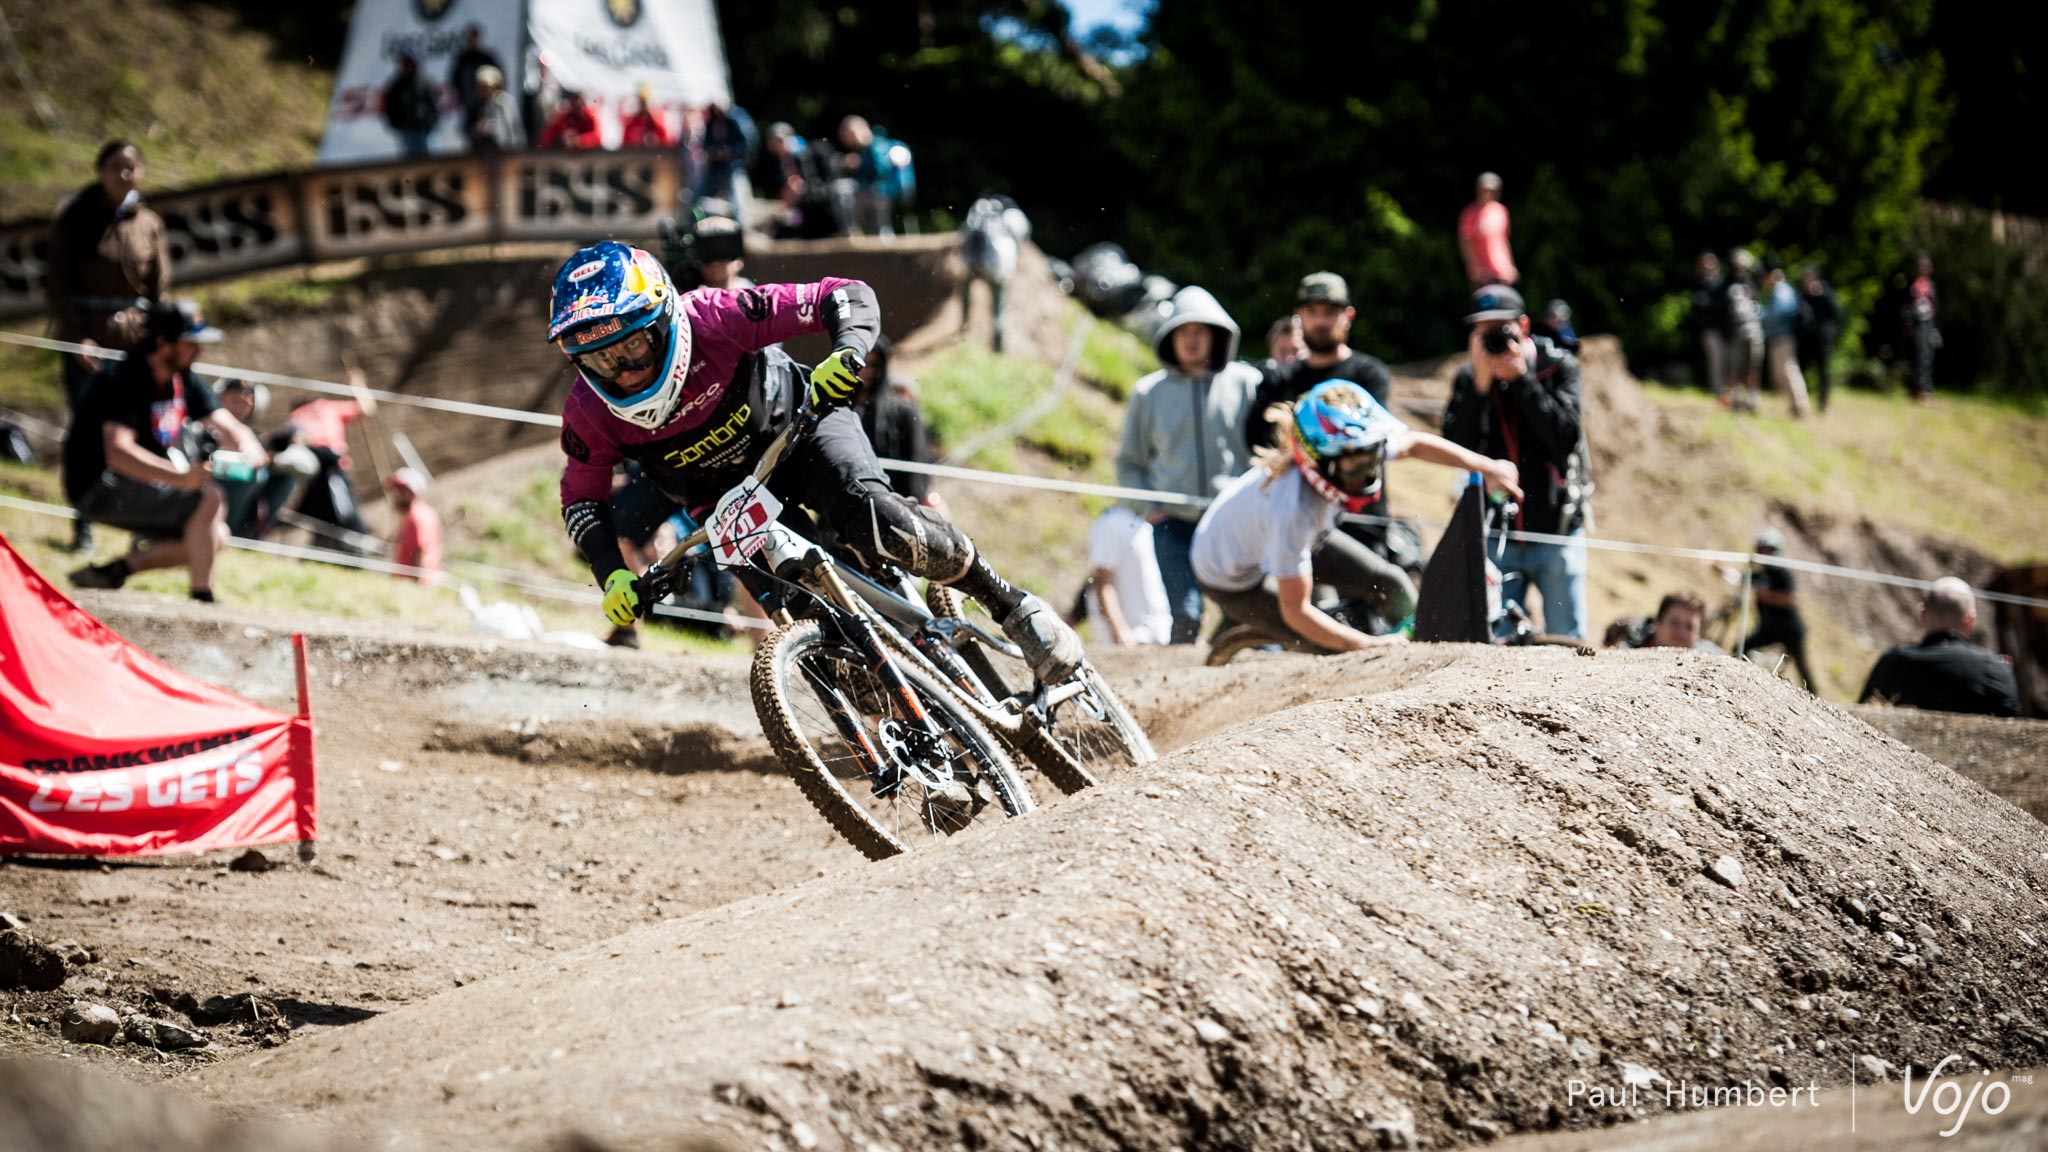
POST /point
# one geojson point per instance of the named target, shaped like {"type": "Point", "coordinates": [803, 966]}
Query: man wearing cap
{"type": "Point", "coordinates": [1483, 236]}
{"type": "Point", "coordinates": [1519, 400]}
{"type": "Point", "coordinates": [124, 460]}
{"type": "Point", "coordinates": [1322, 305]}
{"type": "Point", "coordinates": [1184, 432]}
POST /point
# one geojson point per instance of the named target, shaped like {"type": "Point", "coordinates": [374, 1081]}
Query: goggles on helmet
{"type": "Point", "coordinates": [637, 350]}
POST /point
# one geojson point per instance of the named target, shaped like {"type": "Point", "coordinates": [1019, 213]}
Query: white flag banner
{"type": "Point", "coordinates": [431, 31]}
{"type": "Point", "coordinates": [609, 49]}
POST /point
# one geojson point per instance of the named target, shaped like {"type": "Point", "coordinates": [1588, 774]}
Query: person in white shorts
{"type": "Point", "coordinates": [1267, 541]}
{"type": "Point", "coordinates": [1125, 592]}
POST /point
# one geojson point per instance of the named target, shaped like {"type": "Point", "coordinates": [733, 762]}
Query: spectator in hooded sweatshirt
{"type": "Point", "coordinates": [1184, 432]}
{"type": "Point", "coordinates": [1944, 672]}
{"type": "Point", "coordinates": [109, 262]}
{"type": "Point", "coordinates": [1483, 237]}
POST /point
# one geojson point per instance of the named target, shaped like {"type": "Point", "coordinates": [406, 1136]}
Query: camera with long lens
{"type": "Point", "coordinates": [1499, 338]}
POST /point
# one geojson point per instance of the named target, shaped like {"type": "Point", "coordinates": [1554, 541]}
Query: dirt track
{"type": "Point", "coordinates": [1428, 900]}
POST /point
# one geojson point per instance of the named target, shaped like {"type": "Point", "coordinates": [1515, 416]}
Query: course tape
{"type": "Point", "coordinates": [538, 585]}
{"type": "Point", "coordinates": [1051, 484]}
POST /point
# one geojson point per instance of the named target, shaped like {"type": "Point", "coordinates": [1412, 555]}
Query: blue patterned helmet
{"type": "Point", "coordinates": [1340, 443]}
{"type": "Point", "coordinates": [615, 313]}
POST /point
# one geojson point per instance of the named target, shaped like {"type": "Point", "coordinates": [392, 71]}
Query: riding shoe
{"type": "Point", "coordinates": [1050, 647]}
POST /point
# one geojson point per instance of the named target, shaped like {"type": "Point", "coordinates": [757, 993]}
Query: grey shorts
{"type": "Point", "coordinates": [151, 509]}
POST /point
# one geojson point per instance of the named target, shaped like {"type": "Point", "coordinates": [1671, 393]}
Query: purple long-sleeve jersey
{"type": "Point", "coordinates": [722, 421]}
{"type": "Point", "coordinates": [731, 405]}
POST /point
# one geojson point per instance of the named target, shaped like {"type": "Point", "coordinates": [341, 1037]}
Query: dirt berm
{"type": "Point", "coordinates": [1427, 909]}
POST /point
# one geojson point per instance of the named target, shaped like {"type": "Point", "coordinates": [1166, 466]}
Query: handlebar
{"type": "Point", "coordinates": [659, 579]}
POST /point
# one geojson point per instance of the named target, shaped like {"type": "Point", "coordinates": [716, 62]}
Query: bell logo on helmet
{"type": "Point", "coordinates": [586, 271]}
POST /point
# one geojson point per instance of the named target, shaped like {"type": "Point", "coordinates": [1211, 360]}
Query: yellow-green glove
{"type": "Point", "coordinates": [622, 598]}
{"type": "Point", "coordinates": [834, 379]}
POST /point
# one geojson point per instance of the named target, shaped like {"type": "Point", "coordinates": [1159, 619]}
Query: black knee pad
{"type": "Point", "coordinates": [881, 527]}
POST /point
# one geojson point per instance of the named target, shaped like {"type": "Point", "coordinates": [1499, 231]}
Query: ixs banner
{"type": "Point", "coordinates": [105, 752]}
{"type": "Point", "coordinates": [376, 209]}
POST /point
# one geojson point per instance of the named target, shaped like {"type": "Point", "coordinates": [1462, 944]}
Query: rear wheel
{"type": "Point", "coordinates": [863, 759]}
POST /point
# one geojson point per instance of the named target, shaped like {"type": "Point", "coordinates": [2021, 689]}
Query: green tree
{"type": "Point", "coordinates": [1271, 141]}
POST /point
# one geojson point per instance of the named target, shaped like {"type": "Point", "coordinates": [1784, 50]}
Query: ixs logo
{"type": "Point", "coordinates": [1949, 1099]}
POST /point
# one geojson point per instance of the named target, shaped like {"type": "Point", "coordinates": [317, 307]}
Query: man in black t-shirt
{"type": "Point", "coordinates": [1944, 672]}
{"type": "Point", "coordinates": [1777, 608]}
{"type": "Point", "coordinates": [124, 460]}
{"type": "Point", "coordinates": [1323, 303]}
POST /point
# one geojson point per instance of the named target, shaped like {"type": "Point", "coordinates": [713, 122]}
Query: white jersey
{"type": "Point", "coordinates": [1121, 541]}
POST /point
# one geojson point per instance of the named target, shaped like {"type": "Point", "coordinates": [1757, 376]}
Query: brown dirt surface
{"type": "Point", "coordinates": [2008, 757]}
{"type": "Point", "coordinates": [1430, 907]}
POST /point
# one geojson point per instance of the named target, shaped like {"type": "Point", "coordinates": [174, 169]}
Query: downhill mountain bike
{"type": "Point", "coordinates": [889, 710]}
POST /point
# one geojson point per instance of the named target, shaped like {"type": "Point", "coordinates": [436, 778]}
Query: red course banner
{"type": "Point", "coordinates": [106, 752]}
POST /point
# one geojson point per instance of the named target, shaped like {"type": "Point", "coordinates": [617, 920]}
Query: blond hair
{"type": "Point", "coordinates": [1278, 458]}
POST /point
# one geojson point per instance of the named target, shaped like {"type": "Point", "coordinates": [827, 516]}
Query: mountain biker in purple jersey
{"type": "Point", "coordinates": [692, 386]}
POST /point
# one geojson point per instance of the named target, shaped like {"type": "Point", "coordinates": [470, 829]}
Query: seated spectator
{"type": "Point", "coordinates": [253, 501]}
{"type": "Point", "coordinates": [642, 126]}
{"type": "Point", "coordinates": [573, 126]}
{"type": "Point", "coordinates": [1944, 672]}
{"type": "Point", "coordinates": [322, 427]}
{"type": "Point", "coordinates": [1124, 590]}
{"type": "Point", "coordinates": [494, 120]}
{"type": "Point", "coordinates": [123, 466]}
{"type": "Point", "coordinates": [417, 543]}
{"type": "Point", "coordinates": [1677, 624]}
{"type": "Point", "coordinates": [889, 412]}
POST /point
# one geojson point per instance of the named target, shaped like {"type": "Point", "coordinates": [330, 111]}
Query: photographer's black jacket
{"type": "Point", "coordinates": [1533, 421]}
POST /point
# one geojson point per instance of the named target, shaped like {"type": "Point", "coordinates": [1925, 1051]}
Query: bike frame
{"type": "Point", "coordinates": [863, 605]}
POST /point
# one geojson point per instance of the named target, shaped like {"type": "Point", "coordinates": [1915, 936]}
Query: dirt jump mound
{"type": "Point", "coordinates": [1408, 918]}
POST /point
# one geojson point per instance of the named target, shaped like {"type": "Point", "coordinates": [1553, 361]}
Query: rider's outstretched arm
{"type": "Point", "coordinates": [587, 496]}
{"type": "Point", "coordinates": [1502, 474]}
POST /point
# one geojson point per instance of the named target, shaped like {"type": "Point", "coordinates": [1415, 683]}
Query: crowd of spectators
{"type": "Point", "coordinates": [153, 449]}
{"type": "Point", "coordinates": [1757, 324]}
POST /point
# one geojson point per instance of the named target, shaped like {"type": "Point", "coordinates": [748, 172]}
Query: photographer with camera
{"type": "Point", "coordinates": [1519, 400]}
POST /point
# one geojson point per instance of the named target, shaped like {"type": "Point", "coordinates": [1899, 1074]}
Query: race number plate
{"type": "Point", "coordinates": [739, 523]}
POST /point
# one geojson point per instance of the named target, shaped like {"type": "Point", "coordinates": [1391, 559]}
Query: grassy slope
{"type": "Point", "coordinates": [205, 98]}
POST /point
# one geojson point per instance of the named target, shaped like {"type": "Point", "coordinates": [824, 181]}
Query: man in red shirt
{"type": "Point", "coordinates": [418, 543]}
{"type": "Point", "coordinates": [1483, 237]}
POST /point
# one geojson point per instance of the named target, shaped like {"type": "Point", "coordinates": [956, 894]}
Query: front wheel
{"type": "Point", "coordinates": [863, 759]}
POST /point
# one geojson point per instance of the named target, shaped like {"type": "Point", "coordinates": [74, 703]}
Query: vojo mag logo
{"type": "Point", "coordinates": [624, 13]}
